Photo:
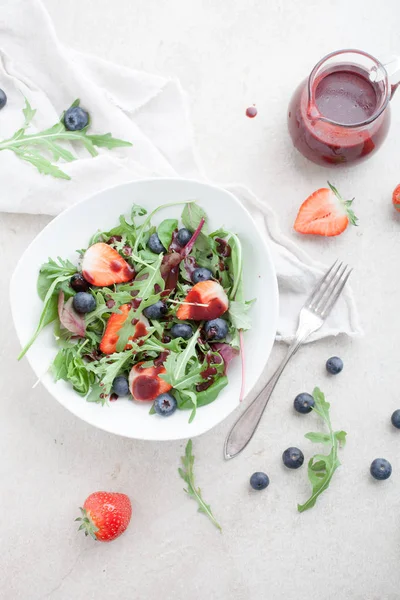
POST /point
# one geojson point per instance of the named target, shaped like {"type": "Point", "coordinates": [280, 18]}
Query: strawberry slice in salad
{"type": "Point", "coordinates": [146, 314]}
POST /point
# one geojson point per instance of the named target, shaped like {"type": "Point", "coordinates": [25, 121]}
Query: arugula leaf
{"type": "Point", "coordinates": [187, 475]}
{"type": "Point", "coordinates": [176, 364]}
{"type": "Point", "coordinates": [49, 312]}
{"type": "Point", "coordinates": [321, 467]}
{"type": "Point", "coordinates": [69, 365]}
{"type": "Point", "coordinates": [236, 262]}
{"type": "Point", "coordinates": [146, 224]}
{"type": "Point", "coordinates": [50, 270]}
{"type": "Point", "coordinates": [205, 397]}
{"type": "Point", "coordinates": [238, 313]}
{"type": "Point", "coordinates": [165, 230]}
{"type": "Point", "coordinates": [30, 147]}
{"type": "Point", "coordinates": [147, 278]}
{"type": "Point", "coordinates": [192, 215]}
{"type": "Point", "coordinates": [108, 367]}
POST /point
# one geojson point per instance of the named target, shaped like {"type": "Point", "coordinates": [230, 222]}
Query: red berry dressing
{"type": "Point", "coordinates": [251, 112]}
{"type": "Point", "coordinates": [333, 128]}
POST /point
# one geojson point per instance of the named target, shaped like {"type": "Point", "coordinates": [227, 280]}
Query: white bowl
{"type": "Point", "coordinates": [72, 229]}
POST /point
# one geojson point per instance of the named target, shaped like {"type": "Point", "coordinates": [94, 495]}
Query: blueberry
{"type": "Point", "coordinates": [156, 311]}
{"type": "Point", "coordinates": [304, 403]}
{"type": "Point", "coordinates": [154, 244]}
{"type": "Point", "coordinates": [201, 274]}
{"type": "Point", "coordinates": [3, 99]}
{"type": "Point", "coordinates": [380, 469]}
{"type": "Point", "coordinates": [293, 458]}
{"type": "Point", "coordinates": [334, 365]}
{"type": "Point", "coordinates": [83, 302]}
{"type": "Point", "coordinates": [216, 329]}
{"type": "Point", "coordinates": [76, 118]}
{"type": "Point", "coordinates": [165, 405]}
{"type": "Point", "coordinates": [259, 481]}
{"type": "Point", "coordinates": [79, 283]}
{"type": "Point", "coordinates": [396, 418]}
{"type": "Point", "coordinates": [120, 386]}
{"type": "Point", "coordinates": [183, 236]}
{"type": "Point", "coordinates": [181, 330]}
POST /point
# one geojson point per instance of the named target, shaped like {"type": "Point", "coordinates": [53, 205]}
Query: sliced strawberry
{"type": "Point", "coordinates": [109, 341]}
{"type": "Point", "coordinates": [206, 300]}
{"type": "Point", "coordinates": [102, 265]}
{"type": "Point", "coordinates": [325, 213]}
{"type": "Point", "coordinates": [144, 383]}
{"type": "Point", "coordinates": [396, 198]}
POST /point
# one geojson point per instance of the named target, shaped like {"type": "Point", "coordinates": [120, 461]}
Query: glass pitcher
{"type": "Point", "coordinates": [341, 113]}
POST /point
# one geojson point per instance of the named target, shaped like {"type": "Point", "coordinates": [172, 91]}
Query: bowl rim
{"type": "Point", "coordinates": [274, 296]}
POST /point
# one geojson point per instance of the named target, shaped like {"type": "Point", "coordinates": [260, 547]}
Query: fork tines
{"type": "Point", "coordinates": [328, 290]}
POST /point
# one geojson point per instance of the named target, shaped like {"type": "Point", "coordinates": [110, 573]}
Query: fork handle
{"type": "Point", "coordinates": [246, 425]}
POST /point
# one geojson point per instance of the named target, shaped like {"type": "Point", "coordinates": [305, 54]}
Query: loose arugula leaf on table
{"type": "Point", "coordinates": [187, 475]}
{"type": "Point", "coordinates": [36, 147]}
{"type": "Point", "coordinates": [321, 467]}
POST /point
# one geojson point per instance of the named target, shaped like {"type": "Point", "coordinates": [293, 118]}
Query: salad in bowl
{"type": "Point", "coordinates": [150, 313]}
{"type": "Point", "coordinates": [89, 314]}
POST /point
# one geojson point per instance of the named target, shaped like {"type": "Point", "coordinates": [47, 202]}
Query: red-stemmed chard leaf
{"type": "Point", "coordinates": [170, 262]}
{"type": "Point", "coordinates": [241, 343]}
{"type": "Point", "coordinates": [190, 264]}
{"type": "Point", "coordinates": [227, 352]}
{"type": "Point", "coordinates": [187, 249]}
{"type": "Point", "coordinates": [170, 269]}
{"type": "Point", "coordinates": [69, 318]}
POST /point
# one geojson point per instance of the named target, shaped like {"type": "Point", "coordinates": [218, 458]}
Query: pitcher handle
{"type": "Point", "coordinates": [392, 67]}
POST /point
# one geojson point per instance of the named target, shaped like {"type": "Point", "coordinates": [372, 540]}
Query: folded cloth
{"type": "Point", "coordinates": [148, 110]}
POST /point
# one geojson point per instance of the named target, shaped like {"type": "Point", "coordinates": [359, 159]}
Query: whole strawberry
{"type": "Point", "coordinates": [105, 515]}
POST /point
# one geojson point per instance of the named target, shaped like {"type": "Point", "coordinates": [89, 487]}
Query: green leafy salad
{"type": "Point", "coordinates": [155, 314]}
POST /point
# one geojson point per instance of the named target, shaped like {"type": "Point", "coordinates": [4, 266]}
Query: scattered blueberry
{"type": "Point", "coordinates": [304, 403]}
{"type": "Point", "coordinates": [3, 99]}
{"type": "Point", "coordinates": [182, 330]}
{"type": "Point", "coordinates": [396, 419]}
{"type": "Point", "coordinates": [156, 311]}
{"type": "Point", "coordinates": [380, 469]}
{"type": "Point", "coordinates": [76, 118]}
{"type": "Point", "coordinates": [293, 458]}
{"type": "Point", "coordinates": [216, 329]}
{"type": "Point", "coordinates": [165, 405]}
{"type": "Point", "coordinates": [83, 302]}
{"type": "Point", "coordinates": [259, 481]}
{"type": "Point", "coordinates": [79, 283]}
{"type": "Point", "coordinates": [201, 274]}
{"type": "Point", "coordinates": [334, 365]}
{"type": "Point", "coordinates": [183, 236]}
{"type": "Point", "coordinates": [120, 386]}
{"type": "Point", "coordinates": [154, 244]}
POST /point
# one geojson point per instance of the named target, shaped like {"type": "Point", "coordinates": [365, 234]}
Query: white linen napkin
{"type": "Point", "coordinates": [148, 110]}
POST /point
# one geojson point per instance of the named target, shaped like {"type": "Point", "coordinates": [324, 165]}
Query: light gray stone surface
{"type": "Point", "coordinates": [228, 55]}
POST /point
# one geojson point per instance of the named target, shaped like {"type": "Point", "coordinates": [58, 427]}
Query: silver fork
{"type": "Point", "coordinates": [311, 318]}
